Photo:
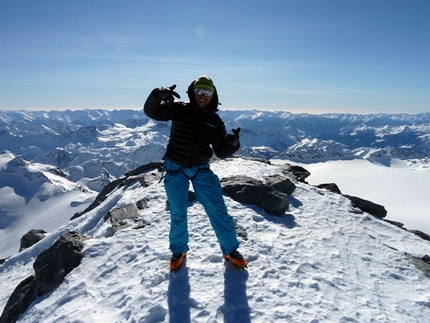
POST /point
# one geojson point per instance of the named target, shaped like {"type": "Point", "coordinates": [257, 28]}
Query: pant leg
{"type": "Point", "coordinates": [176, 186]}
{"type": "Point", "coordinates": [209, 193]}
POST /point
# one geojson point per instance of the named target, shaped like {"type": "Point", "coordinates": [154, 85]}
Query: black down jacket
{"type": "Point", "coordinates": [194, 130]}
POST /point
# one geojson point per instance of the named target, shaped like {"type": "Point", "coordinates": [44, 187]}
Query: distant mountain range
{"type": "Point", "coordinates": [93, 147]}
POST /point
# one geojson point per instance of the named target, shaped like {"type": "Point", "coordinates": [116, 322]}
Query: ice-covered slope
{"type": "Point", "coordinates": [317, 263]}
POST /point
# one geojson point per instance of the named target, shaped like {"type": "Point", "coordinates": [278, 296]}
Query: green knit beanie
{"type": "Point", "coordinates": [204, 82]}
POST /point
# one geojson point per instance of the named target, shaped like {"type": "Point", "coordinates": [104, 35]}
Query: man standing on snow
{"type": "Point", "coordinates": [195, 128]}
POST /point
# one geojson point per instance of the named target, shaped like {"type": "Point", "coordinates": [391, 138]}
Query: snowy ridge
{"type": "Point", "coordinates": [318, 262]}
{"type": "Point", "coordinates": [29, 193]}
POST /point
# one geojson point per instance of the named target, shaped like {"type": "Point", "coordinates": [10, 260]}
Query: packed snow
{"type": "Point", "coordinates": [321, 261]}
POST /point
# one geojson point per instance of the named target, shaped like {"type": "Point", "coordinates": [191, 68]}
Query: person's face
{"type": "Point", "coordinates": [202, 99]}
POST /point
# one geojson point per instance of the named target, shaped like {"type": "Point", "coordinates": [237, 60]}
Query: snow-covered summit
{"type": "Point", "coordinates": [318, 262]}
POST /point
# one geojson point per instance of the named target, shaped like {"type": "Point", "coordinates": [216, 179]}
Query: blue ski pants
{"type": "Point", "coordinates": [209, 193]}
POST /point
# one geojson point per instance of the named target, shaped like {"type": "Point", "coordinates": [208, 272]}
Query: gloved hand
{"type": "Point", "coordinates": [234, 138]}
{"type": "Point", "coordinates": [166, 94]}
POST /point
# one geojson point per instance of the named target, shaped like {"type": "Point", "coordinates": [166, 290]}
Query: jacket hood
{"type": "Point", "coordinates": [213, 104]}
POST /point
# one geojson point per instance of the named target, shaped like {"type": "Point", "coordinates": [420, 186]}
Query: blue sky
{"type": "Point", "coordinates": [314, 56]}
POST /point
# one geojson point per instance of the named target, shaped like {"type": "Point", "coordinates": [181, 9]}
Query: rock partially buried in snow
{"type": "Point", "coordinates": [51, 266]}
{"type": "Point", "coordinates": [249, 190]}
{"type": "Point", "coordinates": [122, 217]}
{"type": "Point", "coordinates": [30, 238]}
{"type": "Point", "coordinates": [368, 206]}
{"type": "Point", "coordinates": [364, 205]}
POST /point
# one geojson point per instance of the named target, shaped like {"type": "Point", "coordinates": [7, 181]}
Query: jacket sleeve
{"type": "Point", "coordinates": [222, 146]}
{"type": "Point", "coordinates": [157, 109]}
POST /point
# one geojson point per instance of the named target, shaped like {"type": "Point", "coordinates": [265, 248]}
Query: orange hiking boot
{"type": "Point", "coordinates": [176, 260]}
{"type": "Point", "coordinates": [236, 259]}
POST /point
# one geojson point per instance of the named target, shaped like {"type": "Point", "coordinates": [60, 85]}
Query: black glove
{"type": "Point", "coordinates": [234, 138]}
{"type": "Point", "coordinates": [166, 94]}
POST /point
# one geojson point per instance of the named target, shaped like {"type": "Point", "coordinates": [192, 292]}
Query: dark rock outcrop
{"type": "Point", "coordinates": [281, 183]}
{"type": "Point", "coordinates": [332, 187]}
{"type": "Point", "coordinates": [129, 177]}
{"type": "Point", "coordinates": [248, 190]}
{"type": "Point", "coordinates": [50, 267]}
{"type": "Point", "coordinates": [297, 172]}
{"type": "Point", "coordinates": [364, 205]}
{"type": "Point", "coordinates": [30, 238]}
{"type": "Point", "coordinates": [142, 204]}
{"type": "Point", "coordinates": [367, 206]}
{"type": "Point", "coordinates": [421, 234]}
{"type": "Point", "coordinates": [122, 217]}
